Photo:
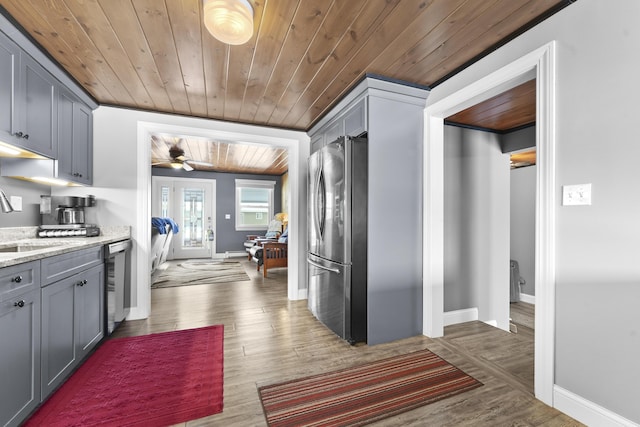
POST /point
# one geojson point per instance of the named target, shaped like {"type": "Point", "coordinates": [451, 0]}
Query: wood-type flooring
{"type": "Point", "coordinates": [270, 339]}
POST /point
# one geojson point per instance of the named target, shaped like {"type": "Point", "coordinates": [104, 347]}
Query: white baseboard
{"type": "Point", "coordinates": [586, 411]}
{"type": "Point", "coordinates": [302, 294]}
{"type": "Point", "coordinates": [529, 299]}
{"type": "Point", "coordinates": [135, 313]}
{"type": "Point", "coordinates": [460, 316]}
{"type": "Point", "coordinates": [233, 254]}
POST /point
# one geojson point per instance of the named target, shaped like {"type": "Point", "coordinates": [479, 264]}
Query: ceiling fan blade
{"type": "Point", "coordinates": [187, 167]}
{"type": "Point", "coordinates": [164, 162]}
{"type": "Point", "coordinates": [195, 162]}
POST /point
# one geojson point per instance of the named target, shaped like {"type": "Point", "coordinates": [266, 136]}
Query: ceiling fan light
{"type": "Point", "coordinates": [176, 165]}
{"type": "Point", "coordinates": [230, 21]}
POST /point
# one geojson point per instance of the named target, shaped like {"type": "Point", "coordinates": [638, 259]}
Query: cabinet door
{"type": "Point", "coordinates": [9, 60]}
{"type": "Point", "coordinates": [355, 120]}
{"type": "Point", "coordinates": [75, 139]}
{"type": "Point", "coordinates": [19, 357]}
{"type": "Point", "coordinates": [36, 106]}
{"type": "Point", "coordinates": [334, 131]}
{"type": "Point", "coordinates": [89, 309]}
{"type": "Point", "coordinates": [65, 135]}
{"type": "Point", "coordinates": [82, 144]}
{"type": "Point", "coordinates": [317, 141]}
{"type": "Point", "coordinates": [58, 333]}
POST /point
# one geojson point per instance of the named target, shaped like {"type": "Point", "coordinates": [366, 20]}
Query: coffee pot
{"type": "Point", "coordinates": [64, 210]}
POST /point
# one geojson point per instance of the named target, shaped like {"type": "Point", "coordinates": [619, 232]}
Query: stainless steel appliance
{"type": "Point", "coordinates": [337, 256]}
{"type": "Point", "coordinates": [69, 230]}
{"type": "Point", "coordinates": [64, 210]}
{"type": "Point", "coordinates": [118, 283]}
{"type": "Point", "coordinates": [64, 216]}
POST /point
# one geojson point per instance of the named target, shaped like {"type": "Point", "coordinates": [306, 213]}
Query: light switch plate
{"type": "Point", "coordinates": [227, 216]}
{"type": "Point", "coordinates": [576, 195]}
{"type": "Point", "coordinates": [16, 203]}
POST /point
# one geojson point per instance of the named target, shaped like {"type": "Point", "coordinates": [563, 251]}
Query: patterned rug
{"type": "Point", "coordinates": [364, 394]}
{"type": "Point", "coordinates": [199, 272]}
{"type": "Point", "coordinates": [144, 381]}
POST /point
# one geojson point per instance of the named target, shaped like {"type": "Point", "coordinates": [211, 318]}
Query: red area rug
{"type": "Point", "coordinates": [149, 380]}
{"type": "Point", "coordinates": [364, 394]}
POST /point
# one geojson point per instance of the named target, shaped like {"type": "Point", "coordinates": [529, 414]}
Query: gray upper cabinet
{"type": "Point", "coordinates": [20, 347]}
{"type": "Point", "coordinates": [28, 101]}
{"type": "Point", "coordinates": [36, 106]}
{"type": "Point", "coordinates": [9, 59]}
{"type": "Point", "coordinates": [352, 121]}
{"type": "Point", "coordinates": [75, 134]}
{"type": "Point", "coordinates": [42, 115]}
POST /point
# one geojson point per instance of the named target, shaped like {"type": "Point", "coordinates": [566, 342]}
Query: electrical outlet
{"type": "Point", "coordinates": [575, 195]}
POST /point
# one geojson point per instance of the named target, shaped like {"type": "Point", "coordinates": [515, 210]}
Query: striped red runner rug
{"type": "Point", "coordinates": [363, 394]}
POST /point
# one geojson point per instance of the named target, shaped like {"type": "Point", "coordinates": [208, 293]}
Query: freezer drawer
{"type": "Point", "coordinates": [329, 294]}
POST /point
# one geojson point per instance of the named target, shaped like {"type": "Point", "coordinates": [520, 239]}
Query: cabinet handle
{"type": "Point", "coordinates": [19, 134]}
{"type": "Point", "coordinates": [17, 279]}
{"type": "Point", "coordinates": [19, 303]}
{"type": "Point", "coordinates": [82, 282]}
{"type": "Point", "coordinates": [26, 136]}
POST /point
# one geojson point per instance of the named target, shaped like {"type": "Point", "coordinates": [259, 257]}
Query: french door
{"type": "Point", "coordinates": [191, 204]}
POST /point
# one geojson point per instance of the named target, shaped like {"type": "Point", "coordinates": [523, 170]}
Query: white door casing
{"type": "Point", "coordinates": [539, 64]}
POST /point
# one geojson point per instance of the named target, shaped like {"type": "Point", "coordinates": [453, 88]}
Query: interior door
{"type": "Point", "coordinates": [191, 204]}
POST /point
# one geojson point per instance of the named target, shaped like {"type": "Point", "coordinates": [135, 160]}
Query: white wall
{"type": "Point", "coordinates": [523, 224]}
{"type": "Point", "coordinates": [597, 270]}
{"type": "Point", "coordinates": [122, 177]}
{"type": "Point", "coordinates": [476, 224]}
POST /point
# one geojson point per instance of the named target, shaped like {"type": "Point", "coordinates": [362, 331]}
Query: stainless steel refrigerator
{"type": "Point", "coordinates": [337, 231]}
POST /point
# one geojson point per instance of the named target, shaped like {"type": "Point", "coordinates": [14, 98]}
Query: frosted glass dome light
{"type": "Point", "coordinates": [230, 21]}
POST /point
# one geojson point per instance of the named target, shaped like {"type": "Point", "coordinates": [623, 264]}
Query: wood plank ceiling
{"type": "Point", "coordinates": [303, 57]}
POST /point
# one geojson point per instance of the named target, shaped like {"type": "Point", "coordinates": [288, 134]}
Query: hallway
{"type": "Point", "coordinates": [269, 339]}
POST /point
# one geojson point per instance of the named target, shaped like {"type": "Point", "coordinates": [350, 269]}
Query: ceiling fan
{"type": "Point", "coordinates": [178, 160]}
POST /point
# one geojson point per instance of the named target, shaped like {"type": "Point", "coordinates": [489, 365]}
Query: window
{"type": "Point", "coordinates": [254, 204]}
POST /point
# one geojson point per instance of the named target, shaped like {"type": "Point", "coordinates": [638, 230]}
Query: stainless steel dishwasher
{"type": "Point", "coordinates": [118, 283]}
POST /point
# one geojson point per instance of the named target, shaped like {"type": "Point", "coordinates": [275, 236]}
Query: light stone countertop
{"type": "Point", "coordinates": [32, 248]}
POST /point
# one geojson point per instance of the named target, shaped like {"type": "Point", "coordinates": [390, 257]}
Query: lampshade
{"type": "Point", "coordinates": [230, 21]}
{"type": "Point", "coordinates": [282, 217]}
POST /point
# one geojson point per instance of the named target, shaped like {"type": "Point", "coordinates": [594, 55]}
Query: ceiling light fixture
{"type": "Point", "coordinates": [230, 21]}
{"type": "Point", "coordinates": [176, 164]}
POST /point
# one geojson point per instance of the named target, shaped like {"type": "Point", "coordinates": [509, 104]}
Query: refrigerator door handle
{"type": "Point", "coordinates": [315, 264]}
{"type": "Point", "coordinates": [321, 204]}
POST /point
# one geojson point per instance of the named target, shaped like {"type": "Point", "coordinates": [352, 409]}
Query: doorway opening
{"type": "Point", "coordinates": [191, 203]}
{"type": "Point", "coordinates": [541, 65]}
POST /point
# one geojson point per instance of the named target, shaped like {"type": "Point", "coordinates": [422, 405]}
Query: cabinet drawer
{"type": "Point", "coordinates": [60, 266]}
{"type": "Point", "coordinates": [19, 279]}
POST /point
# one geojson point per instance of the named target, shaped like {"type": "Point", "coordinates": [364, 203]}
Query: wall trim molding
{"type": "Point", "coordinates": [460, 316]}
{"type": "Point", "coordinates": [587, 412]}
{"type": "Point", "coordinates": [529, 299]}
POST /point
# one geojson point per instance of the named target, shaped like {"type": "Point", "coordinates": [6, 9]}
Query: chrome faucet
{"type": "Point", "coordinates": [4, 201]}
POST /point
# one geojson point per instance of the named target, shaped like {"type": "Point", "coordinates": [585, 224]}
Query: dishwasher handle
{"type": "Point", "coordinates": [117, 247]}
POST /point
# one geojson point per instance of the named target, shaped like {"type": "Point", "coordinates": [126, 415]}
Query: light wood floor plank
{"type": "Point", "coordinates": [269, 339]}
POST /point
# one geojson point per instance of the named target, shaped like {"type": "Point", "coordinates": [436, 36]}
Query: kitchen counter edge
{"type": "Point", "coordinates": [59, 245]}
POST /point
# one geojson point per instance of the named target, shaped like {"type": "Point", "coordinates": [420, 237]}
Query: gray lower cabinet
{"type": "Point", "coordinates": [20, 346]}
{"type": "Point", "coordinates": [51, 318]}
{"type": "Point", "coordinates": [72, 320]}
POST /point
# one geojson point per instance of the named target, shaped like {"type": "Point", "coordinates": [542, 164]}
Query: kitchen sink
{"type": "Point", "coordinates": [25, 248]}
